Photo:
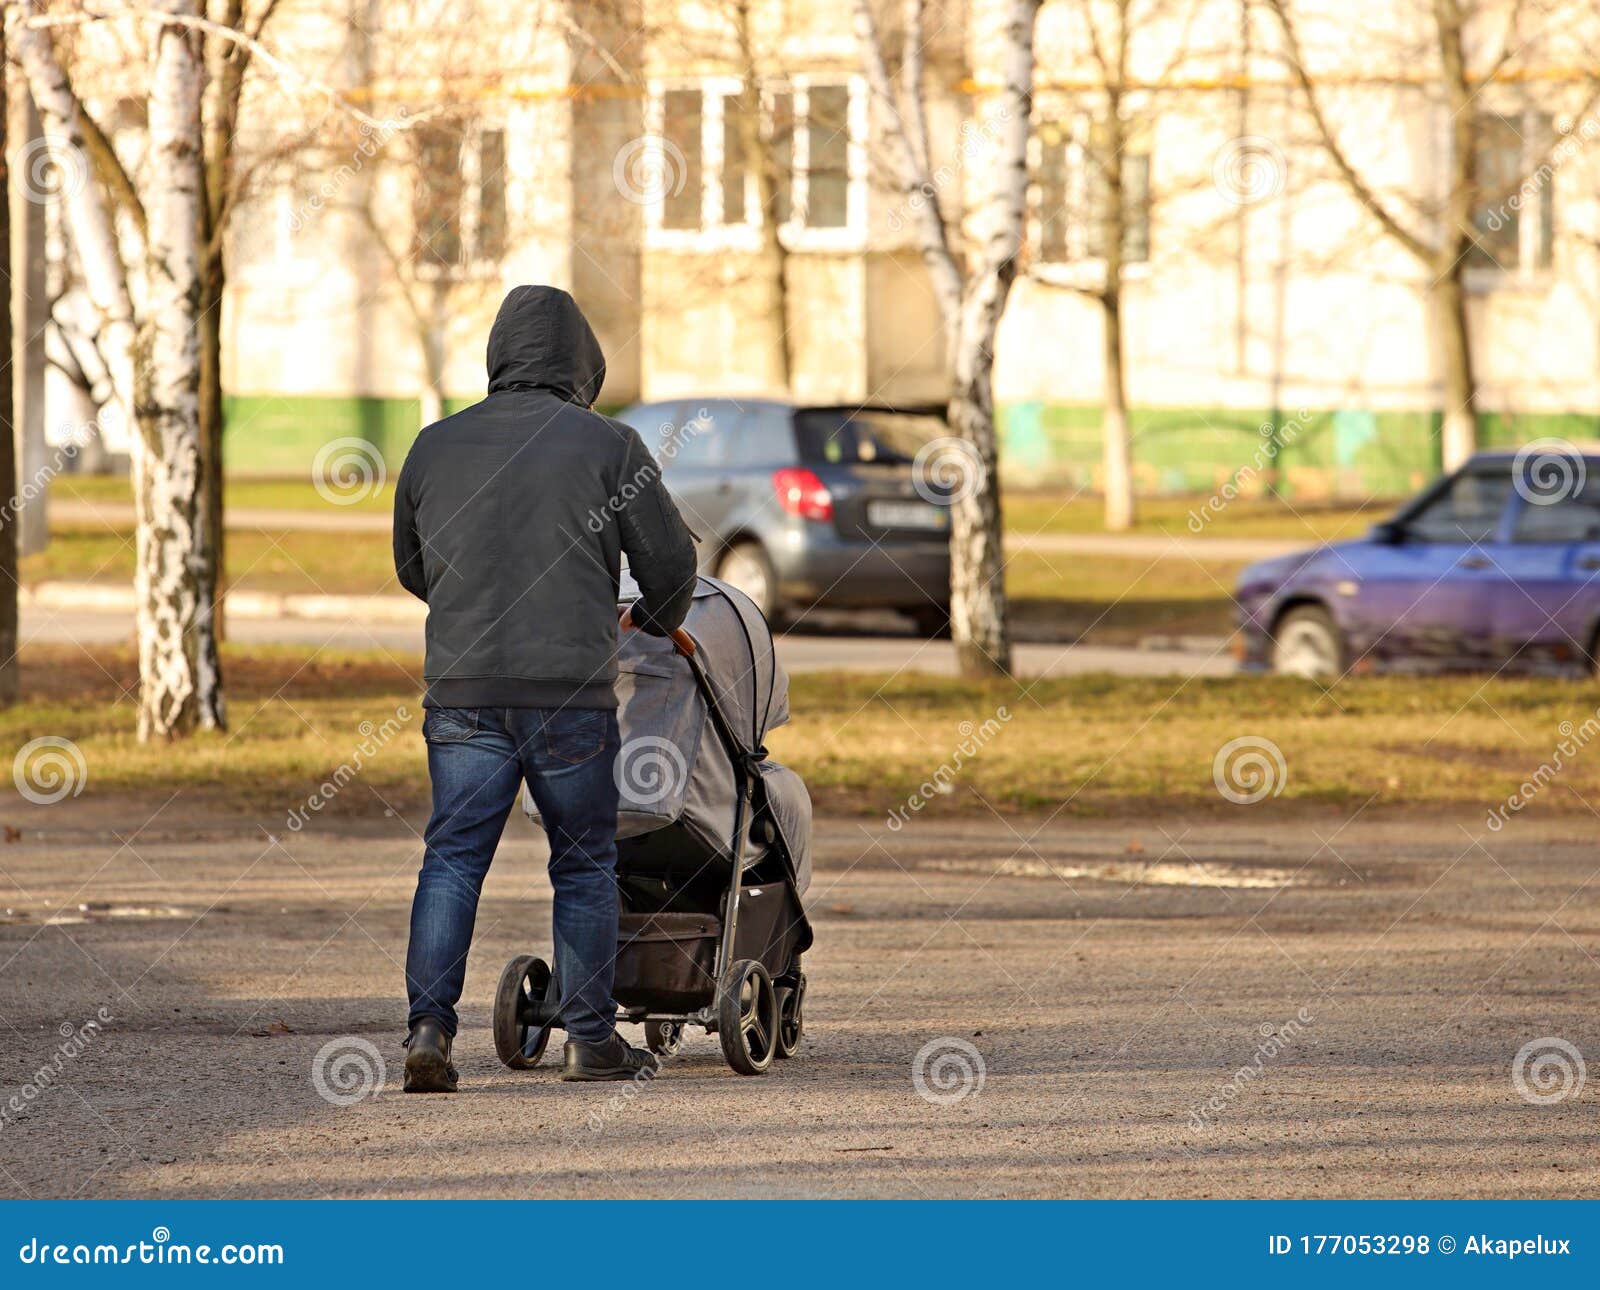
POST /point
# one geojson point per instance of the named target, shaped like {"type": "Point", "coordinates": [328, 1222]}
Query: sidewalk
{"type": "Point", "coordinates": [331, 519]}
{"type": "Point", "coordinates": [103, 612]}
{"type": "Point", "coordinates": [118, 598]}
{"type": "Point", "coordinates": [334, 520]}
{"type": "Point", "coordinates": [1152, 546]}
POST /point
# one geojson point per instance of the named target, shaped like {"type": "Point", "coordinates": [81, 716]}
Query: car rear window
{"type": "Point", "coordinates": [840, 435]}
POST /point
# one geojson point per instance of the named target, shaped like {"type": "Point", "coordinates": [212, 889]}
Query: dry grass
{"type": "Point", "coordinates": [1083, 745]}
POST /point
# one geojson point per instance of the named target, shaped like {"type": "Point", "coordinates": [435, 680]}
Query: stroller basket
{"type": "Point", "coordinates": [667, 960]}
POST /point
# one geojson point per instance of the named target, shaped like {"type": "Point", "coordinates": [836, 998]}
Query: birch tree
{"type": "Point", "coordinates": [442, 161]}
{"type": "Point", "coordinates": [1476, 54]}
{"type": "Point", "coordinates": [765, 143]}
{"type": "Point", "coordinates": [151, 352]}
{"type": "Point", "coordinates": [744, 41]}
{"type": "Point", "coordinates": [227, 65]}
{"type": "Point", "coordinates": [972, 265]}
{"type": "Point", "coordinates": [173, 575]}
{"type": "Point", "coordinates": [1110, 219]}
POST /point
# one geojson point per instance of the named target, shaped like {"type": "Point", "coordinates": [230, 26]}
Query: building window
{"type": "Point", "coordinates": [827, 161]}
{"type": "Point", "coordinates": [490, 232]}
{"type": "Point", "coordinates": [1514, 224]}
{"type": "Point", "coordinates": [707, 172]}
{"type": "Point", "coordinates": [458, 197]}
{"type": "Point", "coordinates": [682, 121]}
{"type": "Point", "coordinates": [1072, 212]}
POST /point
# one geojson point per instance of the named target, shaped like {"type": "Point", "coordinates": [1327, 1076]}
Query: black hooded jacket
{"type": "Point", "coordinates": [511, 516]}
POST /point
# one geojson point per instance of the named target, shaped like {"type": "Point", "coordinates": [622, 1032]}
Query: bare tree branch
{"type": "Point", "coordinates": [1352, 179]}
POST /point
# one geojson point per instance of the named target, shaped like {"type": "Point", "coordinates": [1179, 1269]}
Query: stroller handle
{"type": "Point", "coordinates": [682, 642]}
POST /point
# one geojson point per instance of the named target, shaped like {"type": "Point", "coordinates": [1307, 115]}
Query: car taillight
{"type": "Point", "coordinates": [801, 493]}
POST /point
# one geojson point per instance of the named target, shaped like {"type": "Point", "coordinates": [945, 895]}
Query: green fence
{"type": "Point", "coordinates": [1346, 452]}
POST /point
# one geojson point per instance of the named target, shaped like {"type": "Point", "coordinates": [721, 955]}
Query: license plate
{"type": "Point", "coordinates": [907, 515]}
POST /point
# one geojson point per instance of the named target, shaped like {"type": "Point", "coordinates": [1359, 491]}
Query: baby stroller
{"type": "Point", "coordinates": [713, 849]}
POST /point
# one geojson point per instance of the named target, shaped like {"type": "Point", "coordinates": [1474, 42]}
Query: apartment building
{"type": "Point", "coordinates": [709, 178]}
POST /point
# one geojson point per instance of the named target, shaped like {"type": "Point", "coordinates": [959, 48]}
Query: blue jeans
{"type": "Point", "coordinates": [477, 760]}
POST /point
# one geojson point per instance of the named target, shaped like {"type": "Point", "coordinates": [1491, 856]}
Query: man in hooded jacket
{"type": "Point", "coordinates": [510, 520]}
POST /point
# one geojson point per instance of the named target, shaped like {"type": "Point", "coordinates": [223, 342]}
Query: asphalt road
{"type": "Point", "coordinates": [1238, 1007]}
{"type": "Point", "coordinates": [800, 652]}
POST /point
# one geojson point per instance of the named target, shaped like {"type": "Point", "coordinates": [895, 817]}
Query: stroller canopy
{"type": "Point", "coordinates": [672, 767]}
{"type": "Point", "coordinates": [736, 647]}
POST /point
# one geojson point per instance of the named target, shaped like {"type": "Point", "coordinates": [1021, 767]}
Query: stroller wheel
{"type": "Point", "coordinates": [747, 1017]}
{"type": "Point", "coordinates": [526, 983]}
{"type": "Point", "coordinates": [663, 1037]}
{"type": "Point", "coordinates": [791, 1017]}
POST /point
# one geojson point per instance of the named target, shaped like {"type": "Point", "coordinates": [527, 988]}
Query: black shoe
{"type": "Point", "coordinates": [610, 1059]}
{"type": "Point", "coordinates": [428, 1068]}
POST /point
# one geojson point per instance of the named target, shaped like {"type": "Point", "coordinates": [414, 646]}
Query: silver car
{"type": "Point", "coordinates": [804, 506]}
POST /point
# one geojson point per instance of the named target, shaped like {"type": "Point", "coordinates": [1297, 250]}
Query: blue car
{"type": "Point", "coordinates": [1496, 566]}
{"type": "Point", "coordinates": [801, 506]}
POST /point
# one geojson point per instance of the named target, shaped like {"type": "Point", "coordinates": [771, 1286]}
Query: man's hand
{"type": "Point", "coordinates": [625, 618]}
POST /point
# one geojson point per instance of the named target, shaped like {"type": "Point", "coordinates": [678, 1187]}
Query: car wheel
{"type": "Point", "coordinates": [745, 565]}
{"type": "Point", "coordinates": [1307, 642]}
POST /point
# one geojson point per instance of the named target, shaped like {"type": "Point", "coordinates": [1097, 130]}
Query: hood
{"type": "Point", "coordinates": [541, 340]}
{"type": "Point", "coordinates": [1267, 576]}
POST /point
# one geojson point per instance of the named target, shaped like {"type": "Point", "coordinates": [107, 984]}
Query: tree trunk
{"type": "Point", "coordinates": [30, 314]}
{"type": "Point", "coordinates": [971, 289]}
{"type": "Point", "coordinates": [978, 620]}
{"type": "Point", "coordinates": [213, 283]}
{"type": "Point", "coordinates": [9, 625]}
{"type": "Point", "coordinates": [1116, 450]}
{"type": "Point", "coordinates": [180, 681]}
{"type": "Point", "coordinates": [760, 155]}
{"type": "Point", "coordinates": [84, 208]}
{"type": "Point", "coordinates": [1116, 443]}
{"type": "Point", "coordinates": [219, 109]}
{"type": "Point", "coordinates": [432, 397]}
{"type": "Point", "coordinates": [1458, 430]}
{"type": "Point", "coordinates": [433, 354]}
{"type": "Point", "coordinates": [977, 562]}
